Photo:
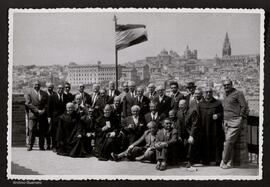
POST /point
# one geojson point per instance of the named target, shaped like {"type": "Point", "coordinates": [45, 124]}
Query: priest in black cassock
{"type": "Point", "coordinates": [211, 116]}
{"type": "Point", "coordinates": [69, 134]}
{"type": "Point", "coordinates": [107, 128]}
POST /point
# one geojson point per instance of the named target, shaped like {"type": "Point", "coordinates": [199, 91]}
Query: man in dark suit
{"type": "Point", "coordinates": [133, 127]}
{"type": "Point", "coordinates": [56, 107]}
{"type": "Point", "coordinates": [112, 92]}
{"type": "Point", "coordinates": [191, 87]}
{"type": "Point", "coordinates": [189, 131]}
{"type": "Point", "coordinates": [36, 105]}
{"type": "Point", "coordinates": [50, 92]}
{"type": "Point", "coordinates": [86, 98]}
{"type": "Point", "coordinates": [95, 95]}
{"type": "Point", "coordinates": [50, 89]}
{"type": "Point", "coordinates": [163, 102]}
{"type": "Point", "coordinates": [129, 99]}
{"type": "Point", "coordinates": [117, 108]}
{"type": "Point", "coordinates": [101, 101]}
{"type": "Point", "coordinates": [176, 96]}
{"type": "Point", "coordinates": [70, 97]}
{"type": "Point", "coordinates": [153, 115]}
{"type": "Point", "coordinates": [151, 94]}
{"type": "Point", "coordinates": [142, 101]}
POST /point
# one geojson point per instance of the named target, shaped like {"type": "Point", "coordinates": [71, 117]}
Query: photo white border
{"type": "Point", "coordinates": [11, 12]}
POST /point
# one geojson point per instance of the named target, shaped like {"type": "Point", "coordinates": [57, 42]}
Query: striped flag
{"type": "Point", "coordinates": [128, 35]}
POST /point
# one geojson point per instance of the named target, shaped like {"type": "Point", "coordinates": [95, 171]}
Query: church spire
{"type": "Point", "coordinates": [226, 51]}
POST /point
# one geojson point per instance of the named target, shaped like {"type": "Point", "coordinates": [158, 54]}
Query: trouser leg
{"type": "Point", "coordinates": [41, 132]}
{"type": "Point", "coordinates": [32, 132]}
{"type": "Point", "coordinates": [232, 131]}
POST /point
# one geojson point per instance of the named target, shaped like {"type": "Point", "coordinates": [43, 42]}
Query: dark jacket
{"type": "Point", "coordinates": [164, 106]}
{"type": "Point", "coordinates": [128, 102]}
{"type": "Point", "coordinates": [111, 98]}
{"type": "Point", "coordinates": [143, 104]}
{"type": "Point", "coordinates": [175, 100]}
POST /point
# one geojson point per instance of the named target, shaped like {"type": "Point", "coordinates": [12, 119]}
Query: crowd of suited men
{"type": "Point", "coordinates": [138, 124]}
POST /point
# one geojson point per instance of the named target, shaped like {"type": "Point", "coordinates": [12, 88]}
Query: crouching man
{"type": "Point", "coordinates": [166, 140]}
{"type": "Point", "coordinates": [140, 153]}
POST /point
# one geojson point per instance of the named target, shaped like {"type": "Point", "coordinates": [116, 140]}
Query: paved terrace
{"type": "Point", "coordinates": [48, 163]}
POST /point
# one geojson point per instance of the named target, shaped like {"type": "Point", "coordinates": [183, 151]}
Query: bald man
{"type": "Point", "coordinates": [86, 98]}
{"type": "Point", "coordinates": [151, 94]}
{"type": "Point", "coordinates": [36, 107]}
{"type": "Point", "coordinates": [133, 126]}
{"type": "Point", "coordinates": [188, 131]}
{"type": "Point", "coordinates": [163, 102]}
{"type": "Point", "coordinates": [142, 101]}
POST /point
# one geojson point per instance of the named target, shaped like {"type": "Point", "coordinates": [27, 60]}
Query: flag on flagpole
{"type": "Point", "coordinates": [128, 35]}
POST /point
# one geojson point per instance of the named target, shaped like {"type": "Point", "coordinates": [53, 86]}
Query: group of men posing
{"type": "Point", "coordinates": [134, 125]}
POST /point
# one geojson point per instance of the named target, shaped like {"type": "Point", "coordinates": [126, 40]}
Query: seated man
{"type": "Point", "coordinates": [133, 127]}
{"type": "Point", "coordinates": [139, 153]}
{"type": "Point", "coordinates": [69, 134]}
{"type": "Point", "coordinates": [107, 128]}
{"type": "Point", "coordinates": [166, 140]}
{"type": "Point", "coordinates": [88, 125]}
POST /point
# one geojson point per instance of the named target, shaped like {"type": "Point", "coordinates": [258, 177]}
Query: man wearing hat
{"type": "Point", "coordinates": [191, 87]}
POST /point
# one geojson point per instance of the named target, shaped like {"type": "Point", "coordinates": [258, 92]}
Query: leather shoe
{"type": "Point", "coordinates": [29, 149]}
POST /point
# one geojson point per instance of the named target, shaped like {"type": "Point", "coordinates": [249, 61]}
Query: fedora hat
{"type": "Point", "coordinates": [191, 85]}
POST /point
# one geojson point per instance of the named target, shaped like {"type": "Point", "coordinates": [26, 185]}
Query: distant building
{"type": "Point", "coordinates": [89, 74]}
{"type": "Point", "coordinates": [226, 50]}
{"type": "Point", "coordinates": [237, 60]}
{"type": "Point", "coordinates": [188, 54]}
{"type": "Point", "coordinates": [129, 74]}
{"type": "Point", "coordinates": [142, 71]}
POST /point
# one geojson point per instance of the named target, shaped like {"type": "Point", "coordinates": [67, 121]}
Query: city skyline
{"type": "Point", "coordinates": [61, 38]}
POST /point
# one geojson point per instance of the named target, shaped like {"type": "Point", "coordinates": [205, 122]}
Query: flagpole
{"type": "Point", "coordinates": [116, 56]}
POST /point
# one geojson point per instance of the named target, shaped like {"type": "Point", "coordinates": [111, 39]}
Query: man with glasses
{"type": "Point", "coordinates": [235, 112]}
{"type": "Point", "coordinates": [69, 96]}
{"type": "Point", "coordinates": [56, 107]}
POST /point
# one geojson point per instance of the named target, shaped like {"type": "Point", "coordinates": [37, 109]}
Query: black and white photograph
{"type": "Point", "coordinates": [136, 94]}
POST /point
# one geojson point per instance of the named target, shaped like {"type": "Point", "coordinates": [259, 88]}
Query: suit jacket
{"type": "Point", "coordinates": [86, 98]}
{"type": "Point", "coordinates": [133, 133]}
{"type": "Point", "coordinates": [170, 138]}
{"type": "Point", "coordinates": [101, 102]}
{"type": "Point", "coordinates": [187, 123]}
{"type": "Point", "coordinates": [175, 100]}
{"type": "Point", "coordinates": [149, 118]}
{"type": "Point", "coordinates": [94, 103]}
{"type": "Point", "coordinates": [143, 104]}
{"type": "Point", "coordinates": [33, 104]}
{"type": "Point", "coordinates": [70, 97]}
{"type": "Point", "coordinates": [56, 107]}
{"type": "Point", "coordinates": [88, 124]}
{"type": "Point", "coordinates": [128, 102]}
{"type": "Point", "coordinates": [164, 106]}
{"type": "Point", "coordinates": [111, 98]}
{"type": "Point", "coordinates": [153, 96]}
{"type": "Point", "coordinates": [117, 111]}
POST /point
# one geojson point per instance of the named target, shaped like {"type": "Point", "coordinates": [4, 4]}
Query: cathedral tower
{"type": "Point", "coordinates": [226, 51]}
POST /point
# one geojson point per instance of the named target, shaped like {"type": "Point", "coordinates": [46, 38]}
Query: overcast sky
{"type": "Point", "coordinates": [85, 38]}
